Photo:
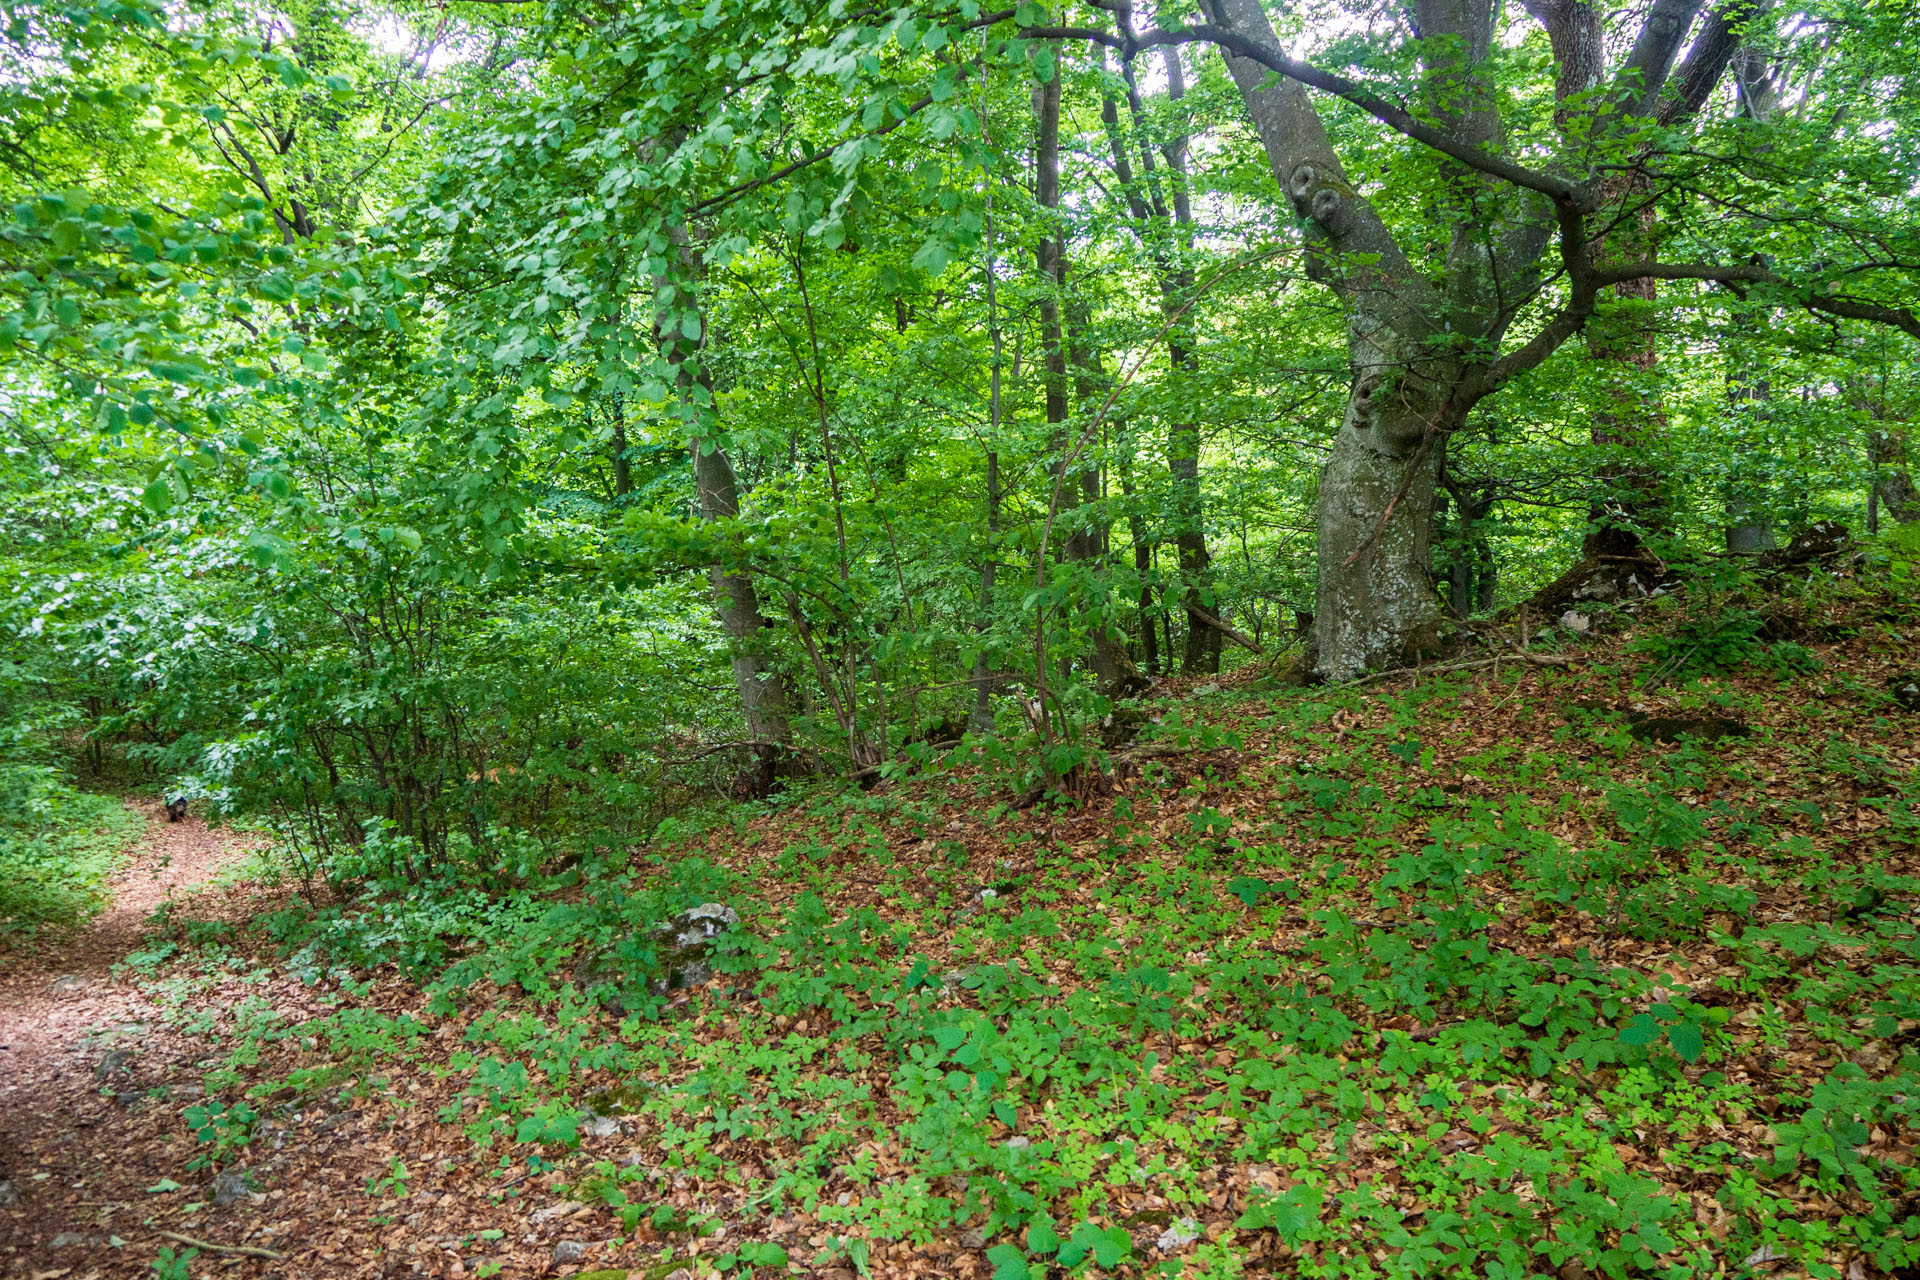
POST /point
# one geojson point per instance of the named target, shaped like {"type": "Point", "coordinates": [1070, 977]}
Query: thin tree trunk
{"type": "Point", "coordinates": [980, 719]}
{"type": "Point", "coordinates": [764, 697]}
{"type": "Point", "coordinates": [1142, 563]}
{"type": "Point", "coordinates": [622, 465]}
{"type": "Point", "coordinates": [1090, 544]}
{"type": "Point", "coordinates": [1183, 437]}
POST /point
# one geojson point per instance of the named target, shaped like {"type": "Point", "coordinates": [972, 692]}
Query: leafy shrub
{"type": "Point", "coordinates": [57, 846]}
{"type": "Point", "coordinates": [1706, 643]}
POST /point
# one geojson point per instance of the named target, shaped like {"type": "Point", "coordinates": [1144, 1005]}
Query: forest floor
{"type": "Point", "coordinates": [1606, 969]}
{"type": "Point", "coordinates": [84, 1049]}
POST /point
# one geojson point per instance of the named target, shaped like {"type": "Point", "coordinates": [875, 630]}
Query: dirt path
{"type": "Point", "coordinates": [77, 1045]}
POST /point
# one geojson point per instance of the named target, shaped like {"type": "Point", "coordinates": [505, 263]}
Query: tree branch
{"type": "Point", "coordinates": [1707, 61]}
{"type": "Point", "coordinates": [1557, 189]}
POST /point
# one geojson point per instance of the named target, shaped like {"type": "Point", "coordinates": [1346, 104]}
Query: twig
{"type": "Point", "coordinates": [1537, 659]}
{"type": "Point", "coordinates": [1225, 630]}
{"type": "Point", "coordinates": [1161, 751]}
{"type": "Point", "coordinates": [238, 1250]}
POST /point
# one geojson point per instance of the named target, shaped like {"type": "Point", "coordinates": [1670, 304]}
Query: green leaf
{"type": "Point", "coordinates": [1009, 1263]}
{"type": "Point", "coordinates": [1248, 888]}
{"type": "Point", "coordinates": [1687, 1040]}
{"type": "Point", "coordinates": [157, 496]}
{"type": "Point", "coordinates": [1644, 1029]}
{"type": "Point", "coordinates": [931, 257]}
{"type": "Point", "coordinates": [1042, 1238]}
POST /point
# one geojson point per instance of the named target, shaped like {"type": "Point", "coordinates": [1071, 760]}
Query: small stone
{"type": "Point", "coordinates": [973, 1238]}
{"type": "Point", "coordinates": [1906, 690]}
{"type": "Point", "coordinates": [598, 1126]}
{"type": "Point", "coordinates": [1576, 622]}
{"type": "Point", "coordinates": [9, 1194]}
{"type": "Point", "coordinates": [565, 1208]}
{"type": "Point", "coordinates": [704, 923]}
{"type": "Point", "coordinates": [70, 982]}
{"type": "Point", "coordinates": [66, 1240]}
{"type": "Point", "coordinates": [117, 1062]}
{"type": "Point", "coordinates": [230, 1186]}
{"type": "Point", "coordinates": [1019, 1142]}
{"type": "Point", "coordinates": [1182, 1233]}
{"type": "Point", "coordinates": [569, 1251]}
{"type": "Point", "coordinates": [1206, 689]}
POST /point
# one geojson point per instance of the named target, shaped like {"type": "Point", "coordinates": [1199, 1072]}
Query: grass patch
{"type": "Point", "coordinates": [58, 845]}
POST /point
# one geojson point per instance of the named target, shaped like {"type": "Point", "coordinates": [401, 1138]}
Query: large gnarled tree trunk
{"type": "Point", "coordinates": [1422, 352]}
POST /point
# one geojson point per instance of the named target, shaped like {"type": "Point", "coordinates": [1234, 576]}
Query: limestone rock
{"type": "Point", "coordinates": [1182, 1233]}
{"type": "Point", "coordinates": [683, 947]}
{"type": "Point", "coordinates": [231, 1186]}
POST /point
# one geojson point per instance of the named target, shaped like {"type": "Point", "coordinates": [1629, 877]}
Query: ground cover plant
{"type": "Point", "coordinates": [1241, 637]}
{"type": "Point", "coordinates": [1447, 976]}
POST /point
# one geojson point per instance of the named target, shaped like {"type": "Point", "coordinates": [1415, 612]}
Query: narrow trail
{"type": "Point", "coordinates": [75, 1052]}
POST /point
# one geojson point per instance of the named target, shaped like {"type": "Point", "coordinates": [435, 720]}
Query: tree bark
{"type": "Point", "coordinates": [1423, 354]}
{"type": "Point", "coordinates": [1165, 228]}
{"type": "Point", "coordinates": [1893, 489]}
{"type": "Point", "coordinates": [1374, 602]}
{"type": "Point", "coordinates": [762, 689]}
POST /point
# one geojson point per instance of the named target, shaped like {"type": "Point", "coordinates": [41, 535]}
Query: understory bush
{"type": "Point", "coordinates": [57, 847]}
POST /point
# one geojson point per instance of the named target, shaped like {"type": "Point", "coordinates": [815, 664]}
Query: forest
{"type": "Point", "coordinates": [658, 640]}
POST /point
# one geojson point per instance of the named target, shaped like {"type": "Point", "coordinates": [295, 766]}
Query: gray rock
{"type": "Point", "coordinates": [70, 982]}
{"type": "Point", "coordinates": [973, 1238]}
{"type": "Point", "coordinates": [117, 1062]}
{"type": "Point", "coordinates": [569, 1251]}
{"type": "Point", "coordinates": [1906, 690]}
{"type": "Point", "coordinates": [598, 1126]}
{"type": "Point", "coordinates": [68, 1239]}
{"type": "Point", "coordinates": [1578, 623]}
{"type": "Point", "coordinates": [683, 946]}
{"type": "Point", "coordinates": [9, 1194]}
{"type": "Point", "coordinates": [685, 943]}
{"type": "Point", "coordinates": [230, 1186]}
{"type": "Point", "coordinates": [1182, 1233]}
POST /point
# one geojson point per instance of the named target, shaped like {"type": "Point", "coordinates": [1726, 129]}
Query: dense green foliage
{"type": "Point", "coordinates": [528, 454]}
{"type": "Point", "coordinates": [1423, 983]}
{"type": "Point", "coordinates": [352, 360]}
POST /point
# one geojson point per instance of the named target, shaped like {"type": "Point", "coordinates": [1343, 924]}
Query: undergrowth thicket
{"type": "Point", "coordinates": [1465, 979]}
